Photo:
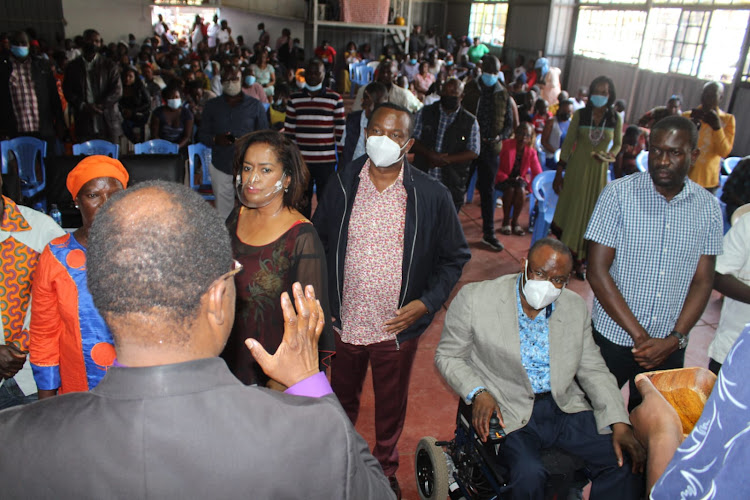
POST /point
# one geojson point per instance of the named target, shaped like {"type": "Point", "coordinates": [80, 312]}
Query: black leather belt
{"type": "Point", "coordinates": [542, 395]}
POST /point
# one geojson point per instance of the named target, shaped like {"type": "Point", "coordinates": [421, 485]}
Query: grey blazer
{"type": "Point", "coordinates": [183, 431]}
{"type": "Point", "coordinates": [481, 346]}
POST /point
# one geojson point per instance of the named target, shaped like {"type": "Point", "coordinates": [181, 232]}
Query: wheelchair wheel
{"type": "Point", "coordinates": [431, 470]}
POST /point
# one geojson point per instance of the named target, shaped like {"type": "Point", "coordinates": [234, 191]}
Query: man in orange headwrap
{"type": "Point", "coordinates": [71, 346]}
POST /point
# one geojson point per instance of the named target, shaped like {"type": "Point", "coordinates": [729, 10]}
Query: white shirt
{"type": "Point", "coordinates": [213, 30]}
{"type": "Point", "coordinates": [223, 36]}
{"type": "Point", "coordinates": [734, 314]}
{"type": "Point", "coordinates": [43, 230]}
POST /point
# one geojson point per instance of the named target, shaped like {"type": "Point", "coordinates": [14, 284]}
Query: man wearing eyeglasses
{"type": "Point", "coordinates": [528, 324]}
{"type": "Point", "coordinates": [169, 420]}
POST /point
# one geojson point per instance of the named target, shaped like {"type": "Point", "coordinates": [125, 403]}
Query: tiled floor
{"type": "Point", "coordinates": [432, 404]}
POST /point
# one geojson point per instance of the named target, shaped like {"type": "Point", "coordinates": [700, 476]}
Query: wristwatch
{"type": "Point", "coordinates": [682, 340]}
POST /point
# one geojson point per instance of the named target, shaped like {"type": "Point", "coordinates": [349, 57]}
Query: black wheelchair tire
{"type": "Point", "coordinates": [431, 470]}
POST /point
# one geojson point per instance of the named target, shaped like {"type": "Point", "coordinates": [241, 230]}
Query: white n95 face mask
{"type": "Point", "coordinates": [383, 151]}
{"type": "Point", "coordinates": [539, 294]}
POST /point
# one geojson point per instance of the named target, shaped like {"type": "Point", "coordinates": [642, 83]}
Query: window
{"type": "Point", "coordinates": [487, 21]}
{"type": "Point", "coordinates": [610, 34]}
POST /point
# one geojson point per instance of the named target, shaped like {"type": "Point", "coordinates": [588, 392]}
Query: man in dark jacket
{"type": "Point", "coordinates": [447, 140]}
{"type": "Point", "coordinates": [29, 102]}
{"type": "Point", "coordinates": [93, 88]}
{"type": "Point", "coordinates": [395, 249]}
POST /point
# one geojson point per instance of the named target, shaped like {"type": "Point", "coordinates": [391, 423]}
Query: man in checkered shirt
{"type": "Point", "coordinates": [653, 241]}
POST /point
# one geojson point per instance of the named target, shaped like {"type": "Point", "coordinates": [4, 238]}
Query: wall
{"type": "Point", "coordinates": [113, 19]}
{"type": "Point", "coordinates": [457, 18]}
{"type": "Point", "coordinates": [289, 9]}
{"type": "Point", "coordinates": [44, 16]}
{"type": "Point", "coordinates": [246, 24]}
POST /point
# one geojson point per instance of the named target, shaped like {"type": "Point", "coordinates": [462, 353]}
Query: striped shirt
{"type": "Point", "coordinates": [316, 124]}
{"type": "Point", "coordinates": [657, 247]}
{"type": "Point", "coordinates": [23, 96]}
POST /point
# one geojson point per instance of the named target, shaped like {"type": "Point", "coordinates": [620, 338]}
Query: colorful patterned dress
{"type": "Point", "coordinates": [71, 346]}
{"type": "Point", "coordinates": [269, 270]}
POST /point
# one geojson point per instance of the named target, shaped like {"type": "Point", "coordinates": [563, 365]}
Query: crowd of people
{"type": "Point", "coordinates": [353, 217]}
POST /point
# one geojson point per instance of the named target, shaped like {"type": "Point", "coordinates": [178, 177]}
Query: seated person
{"type": "Point", "coordinates": [519, 164]}
{"type": "Point", "coordinates": [712, 461]}
{"type": "Point", "coordinates": [356, 121]}
{"type": "Point", "coordinates": [625, 161]}
{"type": "Point", "coordinates": [498, 330]}
{"type": "Point", "coordinates": [737, 188]}
{"type": "Point", "coordinates": [135, 105]}
{"type": "Point", "coordinates": [173, 122]}
{"type": "Point", "coordinates": [277, 111]}
{"type": "Point", "coordinates": [251, 87]}
{"type": "Point", "coordinates": [540, 116]}
{"type": "Point", "coordinates": [673, 108]}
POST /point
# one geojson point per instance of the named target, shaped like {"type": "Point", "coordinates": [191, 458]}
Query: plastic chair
{"type": "Point", "coordinates": [157, 147]}
{"type": "Point", "coordinates": [203, 153]}
{"type": "Point", "coordinates": [97, 147]}
{"type": "Point", "coordinates": [546, 199]}
{"type": "Point", "coordinates": [730, 163]}
{"type": "Point", "coordinates": [641, 161]}
{"type": "Point", "coordinates": [722, 205]}
{"type": "Point", "coordinates": [266, 105]}
{"type": "Point", "coordinates": [25, 150]}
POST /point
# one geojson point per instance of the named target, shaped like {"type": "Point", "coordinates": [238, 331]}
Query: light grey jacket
{"type": "Point", "coordinates": [481, 346]}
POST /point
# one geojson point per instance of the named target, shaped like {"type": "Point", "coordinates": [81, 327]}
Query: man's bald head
{"type": "Point", "coordinates": [154, 251]}
{"type": "Point", "coordinates": [490, 65]}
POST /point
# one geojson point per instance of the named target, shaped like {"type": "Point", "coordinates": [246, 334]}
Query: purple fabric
{"type": "Point", "coordinates": [118, 364]}
{"type": "Point", "coordinates": [315, 386]}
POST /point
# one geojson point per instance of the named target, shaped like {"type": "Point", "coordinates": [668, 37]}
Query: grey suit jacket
{"type": "Point", "coordinates": [188, 430]}
{"type": "Point", "coordinates": [481, 346]}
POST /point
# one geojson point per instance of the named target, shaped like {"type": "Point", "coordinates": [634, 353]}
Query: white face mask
{"type": "Point", "coordinates": [231, 88]}
{"type": "Point", "coordinates": [539, 294]}
{"type": "Point", "coordinates": [383, 151]}
{"type": "Point", "coordinates": [174, 103]}
{"type": "Point", "coordinates": [314, 88]}
{"type": "Point", "coordinates": [259, 199]}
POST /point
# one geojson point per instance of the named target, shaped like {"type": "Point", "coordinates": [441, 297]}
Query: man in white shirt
{"type": "Point", "coordinates": [213, 31]}
{"type": "Point", "coordinates": [732, 278]}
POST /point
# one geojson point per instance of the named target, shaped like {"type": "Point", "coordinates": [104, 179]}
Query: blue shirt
{"type": "Point", "coordinates": [658, 244]}
{"type": "Point", "coordinates": [219, 118]}
{"type": "Point", "coordinates": [713, 460]}
{"type": "Point", "coordinates": [534, 345]}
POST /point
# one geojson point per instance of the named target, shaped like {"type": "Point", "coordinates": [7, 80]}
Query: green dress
{"type": "Point", "coordinates": [585, 176]}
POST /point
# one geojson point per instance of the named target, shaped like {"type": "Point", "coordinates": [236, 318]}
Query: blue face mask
{"type": "Point", "coordinates": [249, 80]}
{"type": "Point", "coordinates": [599, 100]}
{"type": "Point", "coordinates": [413, 61]}
{"type": "Point", "coordinates": [314, 88]}
{"type": "Point", "coordinates": [489, 80]}
{"type": "Point", "coordinates": [448, 37]}
{"type": "Point", "coordinates": [449, 63]}
{"type": "Point", "coordinates": [20, 51]}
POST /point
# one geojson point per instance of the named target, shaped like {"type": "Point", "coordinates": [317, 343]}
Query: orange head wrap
{"type": "Point", "coordinates": [93, 167]}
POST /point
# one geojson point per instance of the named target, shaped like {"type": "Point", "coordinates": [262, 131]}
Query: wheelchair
{"type": "Point", "coordinates": [466, 468]}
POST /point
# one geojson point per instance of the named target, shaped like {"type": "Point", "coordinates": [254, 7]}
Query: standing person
{"type": "Point", "coordinates": [24, 233]}
{"type": "Point", "coordinates": [213, 31]}
{"type": "Point", "coordinates": [585, 159]}
{"type": "Point", "coordinates": [488, 100]}
{"type": "Point", "coordinates": [386, 74]}
{"type": "Point", "coordinates": [653, 241]}
{"type": "Point", "coordinates": [554, 133]}
{"type": "Point", "coordinates": [70, 346]}
{"type": "Point", "coordinates": [284, 39]}
{"type": "Point", "coordinates": [519, 164]}
{"type": "Point", "coordinates": [29, 101]}
{"type": "Point", "coordinates": [477, 51]}
{"type": "Point", "coordinates": [93, 88]}
{"type": "Point", "coordinates": [356, 122]}
{"type": "Point", "coordinates": [447, 140]}
{"type": "Point", "coordinates": [715, 136]}
{"type": "Point", "coordinates": [382, 300]}
{"type": "Point", "coordinates": [315, 121]}
{"type": "Point", "coordinates": [276, 245]}
{"type": "Point", "coordinates": [226, 118]}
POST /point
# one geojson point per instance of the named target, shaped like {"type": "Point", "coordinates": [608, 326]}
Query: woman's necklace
{"type": "Point", "coordinates": [595, 136]}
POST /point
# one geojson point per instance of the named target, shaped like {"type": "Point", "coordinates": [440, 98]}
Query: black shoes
{"type": "Point", "coordinates": [493, 243]}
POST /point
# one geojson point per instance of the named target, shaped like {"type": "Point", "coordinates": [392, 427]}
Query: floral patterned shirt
{"type": "Point", "coordinates": [374, 256]}
{"type": "Point", "coordinates": [534, 345]}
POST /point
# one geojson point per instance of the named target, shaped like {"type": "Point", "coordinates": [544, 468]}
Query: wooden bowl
{"type": "Point", "coordinates": [687, 390]}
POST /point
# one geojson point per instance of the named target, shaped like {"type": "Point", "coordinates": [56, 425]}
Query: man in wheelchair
{"type": "Point", "coordinates": [521, 346]}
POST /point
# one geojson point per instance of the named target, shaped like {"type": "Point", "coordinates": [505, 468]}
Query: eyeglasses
{"type": "Point", "coordinates": [558, 281]}
{"type": "Point", "coordinates": [236, 268]}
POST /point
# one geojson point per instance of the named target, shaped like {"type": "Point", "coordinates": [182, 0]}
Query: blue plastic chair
{"type": "Point", "coordinates": [203, 153]}
{"type": "Point", "coordinates": [357, 76]}
{"type": "Point", "coordinates": [97, 147]}
{"type": "Point", "coordinates": [730, 163]}
{"type": "Point", "coordinates": [472, 187]}
{"type": "Point", "coordinates": [25, 150]}
{"type": "Point", "coordinates": [546, 199]}
{"type": "Point", "coordinates": [722, 205]}
{"type": "Point", "coordinates": [641, 161]}
{"type": "Point", "coordinates": [157, 147]}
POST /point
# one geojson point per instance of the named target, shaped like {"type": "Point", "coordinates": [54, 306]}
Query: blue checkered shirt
{"type": "Point", "coordinates": [446, 120]}
{"type": "Point", "coordinates": [657, 247]}
{"type": "Point", "coordinates": [534, 345]}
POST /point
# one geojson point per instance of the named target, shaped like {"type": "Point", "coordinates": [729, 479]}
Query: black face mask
{"type": "Point", "coordinates": [449, 102]}
{"type": "Point", "coordinates": [563, 117]}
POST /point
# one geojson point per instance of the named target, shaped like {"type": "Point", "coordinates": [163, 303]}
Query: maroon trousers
{"type": "Point", "coordinates": [391, 371]}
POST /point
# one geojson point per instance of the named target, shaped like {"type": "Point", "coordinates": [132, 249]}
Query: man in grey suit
{"type": "Point", "coordinates": [169, 420]}
{"type": "Point", "coordinates": [496, 332]}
